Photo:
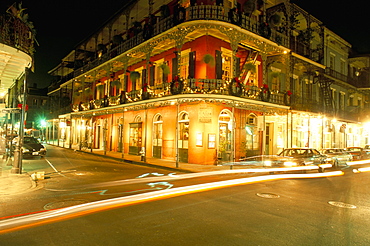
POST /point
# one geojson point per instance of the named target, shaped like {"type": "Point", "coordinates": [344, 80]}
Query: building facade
{"type": "Point", "coordinates": [206, 82]}
{"type": "Point", "coordinates": [17, 39]}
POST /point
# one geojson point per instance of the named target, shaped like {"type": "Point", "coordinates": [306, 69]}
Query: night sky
{"type": "Point", "coordinates": [61, 25]}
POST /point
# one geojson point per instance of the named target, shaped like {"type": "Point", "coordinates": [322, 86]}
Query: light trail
{"type": "Point", "coordinates": [17, 223]}
{"type": "Point", "coordinates": [144, 179]}
{"type": "Point", "coordinates": [361, 162]}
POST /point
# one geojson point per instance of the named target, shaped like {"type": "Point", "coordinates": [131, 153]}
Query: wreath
{"type": "Point", "coordinates": [288, 98]}
{"type": "Point", "coordinates": [235, 87]}
{"type": "Point", "coordinates": [265, 93]}
{"type": "Point", "coordinates": [176, 86]}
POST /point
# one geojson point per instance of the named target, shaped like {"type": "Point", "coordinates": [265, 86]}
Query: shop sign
{"type": "Point", "coordinates": [205, 115]}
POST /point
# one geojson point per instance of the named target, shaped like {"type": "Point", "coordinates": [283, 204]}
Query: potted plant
{"type": "Point", "coordinates": [134, 75]}
{"type": "Point", "coordinates": [165, 68]}
{"type": "Point", "coordinates": [116, 83]}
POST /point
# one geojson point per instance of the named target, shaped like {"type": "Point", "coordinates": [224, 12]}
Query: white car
{"type": "Point", "coordinates": [337, 156]}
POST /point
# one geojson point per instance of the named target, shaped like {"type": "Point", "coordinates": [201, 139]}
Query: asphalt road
{"type": "Point", "coordinates": [73, 178]}
{"type": "Point", "coordinates": [315, 211]}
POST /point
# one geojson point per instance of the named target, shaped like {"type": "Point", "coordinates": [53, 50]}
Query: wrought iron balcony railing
{"type": "Point", "coordinates": [16, 33]}
{"type": "Point", "coordinates": [201, 12]}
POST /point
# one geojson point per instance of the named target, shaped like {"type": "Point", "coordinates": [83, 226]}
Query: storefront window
{"type": "Point", "coordinates": [225, 135]}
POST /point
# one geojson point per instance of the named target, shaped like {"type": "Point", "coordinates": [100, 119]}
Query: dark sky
{"type": "Point", "coordinates": [61, 25]}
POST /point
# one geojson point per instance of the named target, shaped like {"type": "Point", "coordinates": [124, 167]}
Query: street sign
{"type": "Point", "coordinates": [10, 110]}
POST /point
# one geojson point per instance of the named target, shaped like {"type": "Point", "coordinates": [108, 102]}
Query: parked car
{"type": "Point", "coordinates": [305, 156]}
{"type": "Point", "coordinates": [337, 156]}
{"type": "Point", "coordinates": [269, 161]}
{"type": "Point", "coordinates": [358, 153]}
{"type": "Point", "coordinates": [31, 147]}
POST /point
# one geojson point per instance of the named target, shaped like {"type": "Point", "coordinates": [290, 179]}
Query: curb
{"type": "Point", "coordinates": [147, 164]}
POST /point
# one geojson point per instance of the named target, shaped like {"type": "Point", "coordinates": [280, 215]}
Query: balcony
{"type": "Point", "coordinates": [190, 86]}
{"type": "Point", "coordinates": [16, 49]}
{"type": "Point", "coordinates": [193, 13]}
{"type": "Point", "coordinates": [16, 33]}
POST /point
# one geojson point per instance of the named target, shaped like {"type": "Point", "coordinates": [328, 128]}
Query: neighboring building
{"type": "Point", "coordinates": [38, 108]}
{"type": "Point", "coordinates": [202, 82]}
{"type": "Point", "coordinates": [17, 38]}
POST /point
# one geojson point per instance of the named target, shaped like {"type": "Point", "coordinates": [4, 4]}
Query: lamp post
{"type": "Point", "coordinates": [18, 155]}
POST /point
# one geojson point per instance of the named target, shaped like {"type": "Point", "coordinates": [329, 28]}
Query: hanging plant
{"type": "Point", "coordinates": [275, 74]}
{"type": "Point", "coordinates": [165, 68]}
{"type": "Point", "coordinates": [250, 67]}
{"type": "Point", "coordinates": [87, 92]}
{"type": "Point", "coordinates": [100, 87]}
{"type": "Point", "coordinates": [134, 75]}
{"type": "Point", "coordinates": [209, 59]}
{"type": "Point", "coordinates": [116, 83]}
{"type": "Point", "coordinates": [275, 19]}
{"type": "Point", "coordinates": [77, 94]}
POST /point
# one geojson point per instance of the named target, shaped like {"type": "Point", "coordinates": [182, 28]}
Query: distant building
{"type": "Point", "coordinates": [38, 107]}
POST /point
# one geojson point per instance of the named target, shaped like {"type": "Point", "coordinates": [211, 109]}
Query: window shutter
{"type": "Point", "coordinates": [125, 80]}
{"type": "Point", "coordinates": [143, 76]}
{"type": "Point", "coordinates": [218, 64]}
{"type": "Point", "coordinates": [151, 75]}
{"type": "Point", "coordinates": [237, 61]}
{"type": "Point", "coordinates": [192, 65]}
{"type": "Point", "coordinates": [174, 66]}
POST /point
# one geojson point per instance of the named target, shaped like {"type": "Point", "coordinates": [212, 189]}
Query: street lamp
{"type": "Point", "coordinates": [43, 126]}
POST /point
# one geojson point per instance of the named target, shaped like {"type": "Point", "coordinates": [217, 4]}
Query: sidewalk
{"type": "Point", "coordinates": [11, 184]}
{"type": "Point", "coordinates": [18, 183]}
{"type": "Point", "coordinates": [155, 162]}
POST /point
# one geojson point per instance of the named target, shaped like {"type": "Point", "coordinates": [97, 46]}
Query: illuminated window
{"type": "Point", "coordinates": [183, 130]}
{"type": "Point", "coordinates": [184, 63]}
{"type": "Point", "coordinates": [227, 64]}
{"type": "Point", "coordinates": [158, 74]}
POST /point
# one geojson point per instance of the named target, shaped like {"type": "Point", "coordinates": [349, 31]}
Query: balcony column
{"type": "Point", "coordinates": [235, 37]}
{"type": "Point", "coordinates": [179, 37]}
{"type": "Point", "coordinates": [234, 47]}
{"type": "Point", "coordinates": [264, 67]}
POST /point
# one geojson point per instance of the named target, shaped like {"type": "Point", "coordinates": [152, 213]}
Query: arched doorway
{"type": "Point", "coordinates": [251, 136]}
{"type": "Point", "coordinates": [183, 141]}
{"type": "Point", "coordinates": [157, 136]}
{"type": "Point", "coordinates": [226, 136]}
{"type": "Point", "coordinates": [135, 136]}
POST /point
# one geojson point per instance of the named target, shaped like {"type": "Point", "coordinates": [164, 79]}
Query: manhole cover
{"type": "Point", "coordinates": [267, 195]}
{"type": "Point", "coordinates": [341, 204]}
{"type": "Point", "coordinates": [63, 204]}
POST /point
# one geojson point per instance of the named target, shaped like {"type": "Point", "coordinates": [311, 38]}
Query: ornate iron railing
{"type": "Point", "coordinates": [15, 33]}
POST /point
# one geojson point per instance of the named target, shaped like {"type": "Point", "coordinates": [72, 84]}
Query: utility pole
{"type": "Point", "coordinates": [18, 155]}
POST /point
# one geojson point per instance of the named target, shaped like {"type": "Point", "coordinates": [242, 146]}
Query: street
{"type": "Point", "coordinates": [284, 212]}
{"type": "Point", "coordinates": [232, 209]}
{"type": "Point", "coordinates": [73, 178]}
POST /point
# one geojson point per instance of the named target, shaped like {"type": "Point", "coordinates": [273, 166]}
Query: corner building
{"type": "Point", "coordinates": [198, 82]}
